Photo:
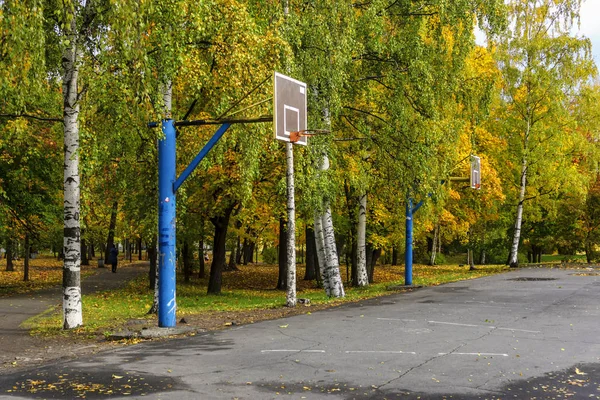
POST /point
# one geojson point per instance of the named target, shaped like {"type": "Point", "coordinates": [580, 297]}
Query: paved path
{"type": "Point", "coordinates": [15, 342]}
{"type": "Point", "coordinates": [530, 333]}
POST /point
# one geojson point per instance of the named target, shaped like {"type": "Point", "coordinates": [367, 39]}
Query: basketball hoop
{"type": "Point", "coordinates": [295, 136]}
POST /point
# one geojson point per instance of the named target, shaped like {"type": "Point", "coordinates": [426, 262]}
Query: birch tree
{"type": "Point", "coordinates": [543, 66]}
{"type": "Point", "coordinates": [326, 247]}
{"type": "Point", "coordinates": [71, 57]}
{"type": "Point", "coordinates": [291, 229]}
{"type": "Point", "coordinates": [361, 251]}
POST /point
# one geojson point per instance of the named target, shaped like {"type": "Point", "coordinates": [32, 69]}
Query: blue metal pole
{"type": "Point", "coordinates": [408, 253]}
{"type": "Point", "coordinates": [167, 213]}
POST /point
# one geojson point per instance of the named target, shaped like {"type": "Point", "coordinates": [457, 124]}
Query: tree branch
{"type": "Point", "coordinates": [23, 115]}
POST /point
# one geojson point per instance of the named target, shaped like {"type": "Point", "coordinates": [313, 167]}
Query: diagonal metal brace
{"type": "Point", "coordinates": [205, 150]}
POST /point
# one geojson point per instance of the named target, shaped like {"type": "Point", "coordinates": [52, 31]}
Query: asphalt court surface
{"type": "Point", "coordinates": [525, 334]}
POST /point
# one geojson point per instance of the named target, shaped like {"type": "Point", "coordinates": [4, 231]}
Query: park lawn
{"type": "Point", "coordinates": [44, 272]}
{"type": "Point", "coordinates": [557, 258]}
{"type": "Point", "coordinates": [248, 290]}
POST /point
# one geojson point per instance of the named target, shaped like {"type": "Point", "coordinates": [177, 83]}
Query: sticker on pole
{"type": "Point", "coordinates": [289, 108]}
{"type": "Point", "coordinates": [475, 172]}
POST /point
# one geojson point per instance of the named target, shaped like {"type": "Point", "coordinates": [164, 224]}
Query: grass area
{"type": "Point", "coordinates": [549, 258]}
{"type": "Point", "coordinates": [44, 272]}
{"type": "Point", "coordinates": [250, 288]}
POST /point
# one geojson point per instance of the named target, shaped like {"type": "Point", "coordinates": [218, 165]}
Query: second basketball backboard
{"type": "Point", "coordinates": [289, 109]}
{"type": "Point", "coordinates": [475, 172]}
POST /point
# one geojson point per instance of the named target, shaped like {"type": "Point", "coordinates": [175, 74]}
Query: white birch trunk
{"type": "Point", "coordinates": [514, 250]}
{"type": "Point", "coordinates": [291, 228]}
{"type": "Point", "coordinates": [167, 98]}
{"type": "Point", "coordinates": [332, 268]}
{"type": "Point", "coordinates": [320, 248]}
{"type": "Point", "coordinates": [72, 310]}
{"type": "Point", "coordinates": [361, 251]}
{"type": "Point", "coordinates": [436, 231]}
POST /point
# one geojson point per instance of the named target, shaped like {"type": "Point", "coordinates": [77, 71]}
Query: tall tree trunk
{"type": "Point", "coordinates": [221, 223]}
{"type": "Point", "coordinates": [202, 272]}
{"type": "Point", "coordinates": [354, 263]}
{"type": "Point", "coordinates": [282, 256]}
{"type": "Point", "coordinates": [153, 274]}
{"type": "Point", "coordinates": [246, 255]}
{"type": "Point", "coordinates": [436, 232]}
{"type": "Point", "coordinates": [139, 248]}
{"type": "Point", "coordinates": [310, 272]}
{"type": "Point", "coordinates": [394, 255]}
{"type": "Point", "coordinates": [187, 262]}
{"type": "Point", "coordinates": [238, 251]}
{"type": "Point", "coordinates": [375, 254]}
{"type": "Point", "coordinates": [72, 312]}
{"type": "Point", "coordinates": [230, 265]}
{"type": "Point", "coordinates": [332, 269]}
{"type": "Point", "coordinates": [290, 299]}
{"type": "Point", "coordinates": [26, 261]}
{"type": "Point", "coordinates": [361, 249]}
{"type": "Point", "coordinates": [326, 246]}
{"type": "Point", "coordinates": [513, 260]}
{"type": "Point", "coordinates": [320, 250]}
{"type": "Point", "coordinates": [152, 254]}
{"type": "Point", "coordinates": [110, 239]}
{"type": "Point", "coordinates": [471, 260]}
{"type": "Point", "coordinates": [84, 250]}
{"type": "Point", "coordinates": [482, 260]}
{"type": "Point", "coordinates": [245, 246]}
{"type": "Point", "coordinates": [10, 265]}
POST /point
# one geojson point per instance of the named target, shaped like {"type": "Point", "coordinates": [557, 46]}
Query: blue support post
{"type": "Point", "coordinates": [167, 213]}
{"type": "Point", "coordinates": [408, 251]}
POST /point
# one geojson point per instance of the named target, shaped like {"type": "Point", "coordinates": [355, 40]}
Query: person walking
{"type": "Point", "coordinates": [113, 258]}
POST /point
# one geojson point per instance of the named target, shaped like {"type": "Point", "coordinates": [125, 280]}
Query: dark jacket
{"type": "Point", "coordinates": [112, 258]}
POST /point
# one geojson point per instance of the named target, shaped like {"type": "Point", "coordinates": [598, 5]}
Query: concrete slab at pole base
{"type": "Point", "coordinates": [154, 333]}
{"type": "Point", "coordinates": [404, 287]}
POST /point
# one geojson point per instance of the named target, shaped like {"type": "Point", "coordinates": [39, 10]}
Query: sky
{"type": "Point", "coordinates": [590, 25]}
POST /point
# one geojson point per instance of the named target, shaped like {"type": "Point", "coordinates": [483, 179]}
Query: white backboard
{"type": "Point", "coordinates": [475, 172]}
{"type": "Point", "coordinates": [289, 107]}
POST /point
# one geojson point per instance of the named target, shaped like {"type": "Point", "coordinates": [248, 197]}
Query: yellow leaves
{"type": "Point", "coordinates": [43, 272]}
{"type": "Point", "coordinates": [454, 194]}
{"type": "Point", "coordinates": [284, 326]}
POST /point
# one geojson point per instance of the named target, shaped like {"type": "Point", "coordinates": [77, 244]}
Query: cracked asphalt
{"type": "Point", "coordinates": [526, 334]}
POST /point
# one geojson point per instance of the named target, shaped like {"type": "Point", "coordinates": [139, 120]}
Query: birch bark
{"type": "Point", "coordinates": [434, 245]}
{"type": "Point", "coordinates": [72, 312]}
{"type": "Point", "coordinates": [361, 253]}
{"type": "Point", "coordinates": [514, 250]}
{"type": "Point", "coordinates": [320, 244]}
{"type": "Point", "coordinates": [291, 229]}
{"type": "Point", "coordinates": [331, 268]}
